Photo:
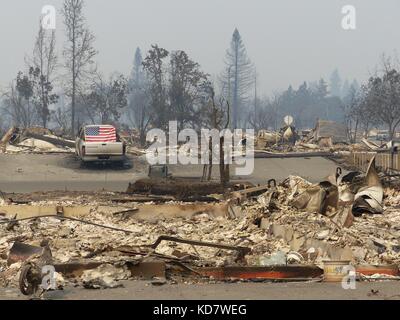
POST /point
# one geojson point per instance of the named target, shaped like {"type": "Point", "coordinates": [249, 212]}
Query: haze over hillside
{"type": "Point", "coordinates": [288, 41]}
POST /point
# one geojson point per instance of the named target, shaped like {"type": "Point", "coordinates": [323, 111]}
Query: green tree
{"type": "Point", "coordinates": [44, 63]}
{"type": "Point", "coordinates": [383, 99]}
{"type": "Point", "coordinates": [154, 65]}
{"type": "Point", "coordinates": [108, 98]}
{"type": "Point", "coordinates": [185, 88]}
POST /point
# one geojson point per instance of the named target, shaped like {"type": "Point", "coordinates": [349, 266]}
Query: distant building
{"type": "Point", "coordinates": [330, 130]}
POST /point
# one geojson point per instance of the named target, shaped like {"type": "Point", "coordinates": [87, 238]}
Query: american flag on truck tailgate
{"type": "Point", "coordinates": [101, 134]}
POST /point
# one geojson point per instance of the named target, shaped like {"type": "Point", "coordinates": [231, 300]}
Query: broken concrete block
{"type": "Point", "coordinates": [276, 259]}
{"type": "Point", "coordinates": [344, 217]}
{"type": "Point", "coordinates": [294, 258]}
{"type": "Point", "coordinates": [265, 224]}
{"type": "Point", "coordinates": [105, 276]}
{"type": "Point", "coordinates": [359, 253]}
{"type": "Point", "coordinates": [323, 234]}
{"type": "Point", "coordinates": [297, 242]}
{"type": "Point", "coordinates": [282, 232]}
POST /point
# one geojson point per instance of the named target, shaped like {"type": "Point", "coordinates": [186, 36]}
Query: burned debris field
{"type": "Point", "coordinates": [229, 150]}
{"type": "Point", "coordinates": [176, 228]}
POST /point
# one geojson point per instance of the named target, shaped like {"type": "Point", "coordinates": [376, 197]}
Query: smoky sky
{"type": "Point", "coordinates": [288, 41]}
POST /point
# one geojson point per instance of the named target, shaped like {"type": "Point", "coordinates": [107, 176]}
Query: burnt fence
{"type": "Point", "coordinates": [386, 161]}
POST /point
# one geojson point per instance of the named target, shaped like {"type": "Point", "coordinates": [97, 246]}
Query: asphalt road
{"type": "Point", "coordinates": [141, 290]}
{"type": "Point", "coordinates": [24, 173]}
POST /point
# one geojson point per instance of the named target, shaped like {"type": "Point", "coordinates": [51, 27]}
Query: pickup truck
{"type": "Point", "coordinates": [100, 143]}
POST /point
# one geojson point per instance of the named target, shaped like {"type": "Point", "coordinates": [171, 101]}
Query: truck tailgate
{"type": "Point", "coordinates": [104, 148]}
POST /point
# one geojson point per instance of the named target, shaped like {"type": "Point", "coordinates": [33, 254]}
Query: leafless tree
{"type": "Point", "coordinates": [139, 112]}
{"type": "Point", "coordinates": [217, 116]}
{"type": "Point", "coordinates": [45, 61]}
{"type": "Point", "coordinates": [383, 97]}
{"type": "Point", "coordinates": [238, 77]}
{"type": "Point", "coordinates": [18, 101]}
{"type": "Point", "coordinates": [62, 117]}
{"type": "Point", "coordinates": [78, 51]}
{"type": "Point", "coordinates": [351, 107]}
{"type": "Point", "coordinates": [267, 114]}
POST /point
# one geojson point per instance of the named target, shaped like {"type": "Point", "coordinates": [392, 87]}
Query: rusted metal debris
{"type": "Point", "coordinates": [185, 210]}
{"type": "Point", "coordinates": [369, 198]}
{"type": "Point", "coordinates": [287, 273]}
{"type": "Point", "coordinates": [140, 249]}
{"type": "Point", "coordinates": [126, 212]}
{"type": "Point", "coordinates": [162, 199]}
{"type": "Point", "coordinates": [179, 188]}
{"type": "Point", "coordinates": [286, 155]}
{"type": "Point", "coordinates": [33, 258]}
{"type": "Point", "coordinates": [243, 251]}
{"type": "Point", "coordinates": [344, 195]}
{"type": "Point", "coordinates": [369, 270]}
{"type": "Point", "coordinates": [31, 275]}
{"type": "Point", "coordinates": [75, 269]}
{"type": "Point", "coordinates": [142, 269]}
{"type": "Point", "coordinates": [143, 198]}
{"type": "Point", "coordinates": [148, 270]}
{"type": "Point", "coordinates": [30, 279]}
{"type": "Point", "coordinates": [21, 252]}
{"type": "Point", "coordinates": [242, 195]}
{"type": "Point", "coordinates": [7, 221]}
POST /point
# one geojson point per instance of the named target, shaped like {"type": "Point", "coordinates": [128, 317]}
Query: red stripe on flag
{"type": "Point", "coordinates": [106, 134]}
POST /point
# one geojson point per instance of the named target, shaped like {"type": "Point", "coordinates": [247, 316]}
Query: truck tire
{"type": "Point", "coordinates": [83, 164]}
{"type": "Point", "coordinates": [120, 164]}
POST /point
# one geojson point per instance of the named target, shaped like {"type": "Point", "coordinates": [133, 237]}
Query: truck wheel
{"type": "Point", "coordinates": [120, 164]}
{"type": "Point", "coordinates": [29, 279]}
